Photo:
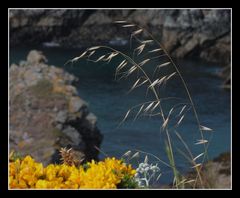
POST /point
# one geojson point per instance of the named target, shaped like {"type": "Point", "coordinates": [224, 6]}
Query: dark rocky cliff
{"type": "Point", "coordinates": [185, 33]}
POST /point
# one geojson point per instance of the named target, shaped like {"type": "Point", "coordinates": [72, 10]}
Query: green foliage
{"type": "Point", "coordinates": [85, 166]}
{"type": "Point", "coordinates": [14, 156]}
{"type": "Point", "coordinates": [128, 182]}
{"type": "Point", "coordinates": [57, 132]}
{"type": "Point", "coordinates": [42, 89]}
{"type": "Point", "coordinates": [172, 164]}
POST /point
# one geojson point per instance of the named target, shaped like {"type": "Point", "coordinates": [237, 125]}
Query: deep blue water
{"type": "Point", "coordinates": [109, 101]}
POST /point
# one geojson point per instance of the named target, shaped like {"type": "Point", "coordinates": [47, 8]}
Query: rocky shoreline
{"type": "Point", "coordinates": [186, 33]}
{"type": "Point", "coordinates": [46, 112]}
{"type": "Point", "coordinates": [216, 174]}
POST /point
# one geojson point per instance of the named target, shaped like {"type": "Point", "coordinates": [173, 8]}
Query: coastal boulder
{"type": "Point", "coordinates": [46, 112]}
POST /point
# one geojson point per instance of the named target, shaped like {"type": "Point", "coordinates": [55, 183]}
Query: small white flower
{"type": "Point", "coordinates": [146, 174]}
{"type": "Point", "coordinates": [147, 169]}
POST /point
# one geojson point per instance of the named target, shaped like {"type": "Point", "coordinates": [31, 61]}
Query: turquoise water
{"type": "Point", "coordinates": [109, 101]}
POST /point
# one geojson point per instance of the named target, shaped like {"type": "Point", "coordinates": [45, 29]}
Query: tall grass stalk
{"type": "Point", "coordinates": [143, 54]}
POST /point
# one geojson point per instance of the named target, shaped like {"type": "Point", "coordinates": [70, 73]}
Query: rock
{"type": "Point", "coordinates": [91, 120]}
{"type": "Point", "coordinates": [46, 113]}
{"type": "Point", "coordinates": [216, 173]}
{"type": "Point", "coordinates": [51, 44]}
{"type": "Point", "coordinates": [35, 57]}
{"type": "Point", "coordinates": [73, 134]}
{"type": "Point", "coordinates": [220, 52]}
{"type": "Point", "coordinates": [225, 73]}
{"type": "Point", "coordinates": [75, 104]}
{"type": "Point", "coordinates": [202, 33]}
{"type": "Point", "coordinates": [61, 116]}
{"type": "Point", "coordinates": [31, 77]}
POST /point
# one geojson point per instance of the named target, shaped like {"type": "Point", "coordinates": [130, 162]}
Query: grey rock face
{"type": "Point", "coordinates": [46, 113]}
{"type": "Point", "coordinates": [75, 104]}
{"type": "Point", "coordinates": [35, 57]}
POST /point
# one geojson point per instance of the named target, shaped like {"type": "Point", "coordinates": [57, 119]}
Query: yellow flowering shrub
{"type": "Point", "coordinates": [110, 173]}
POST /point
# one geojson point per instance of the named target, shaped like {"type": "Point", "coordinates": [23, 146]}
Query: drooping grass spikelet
{"type": "Point", "coordinates": [68, 157]}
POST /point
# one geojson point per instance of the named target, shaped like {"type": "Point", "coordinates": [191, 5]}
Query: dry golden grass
{"type": "Point", "coordinates": [145, 51]}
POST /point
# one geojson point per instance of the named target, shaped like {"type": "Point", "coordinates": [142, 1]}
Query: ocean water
{"type": "Point", "coordinates": [109, 101]}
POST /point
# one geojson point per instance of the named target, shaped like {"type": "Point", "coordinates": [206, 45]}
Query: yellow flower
{"type": "Point", "coordinates": [50, 172]}
{"type": "Point", "coordinates": [107, 174]}
{"type": "Point", "coordinates": [42, 184]}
